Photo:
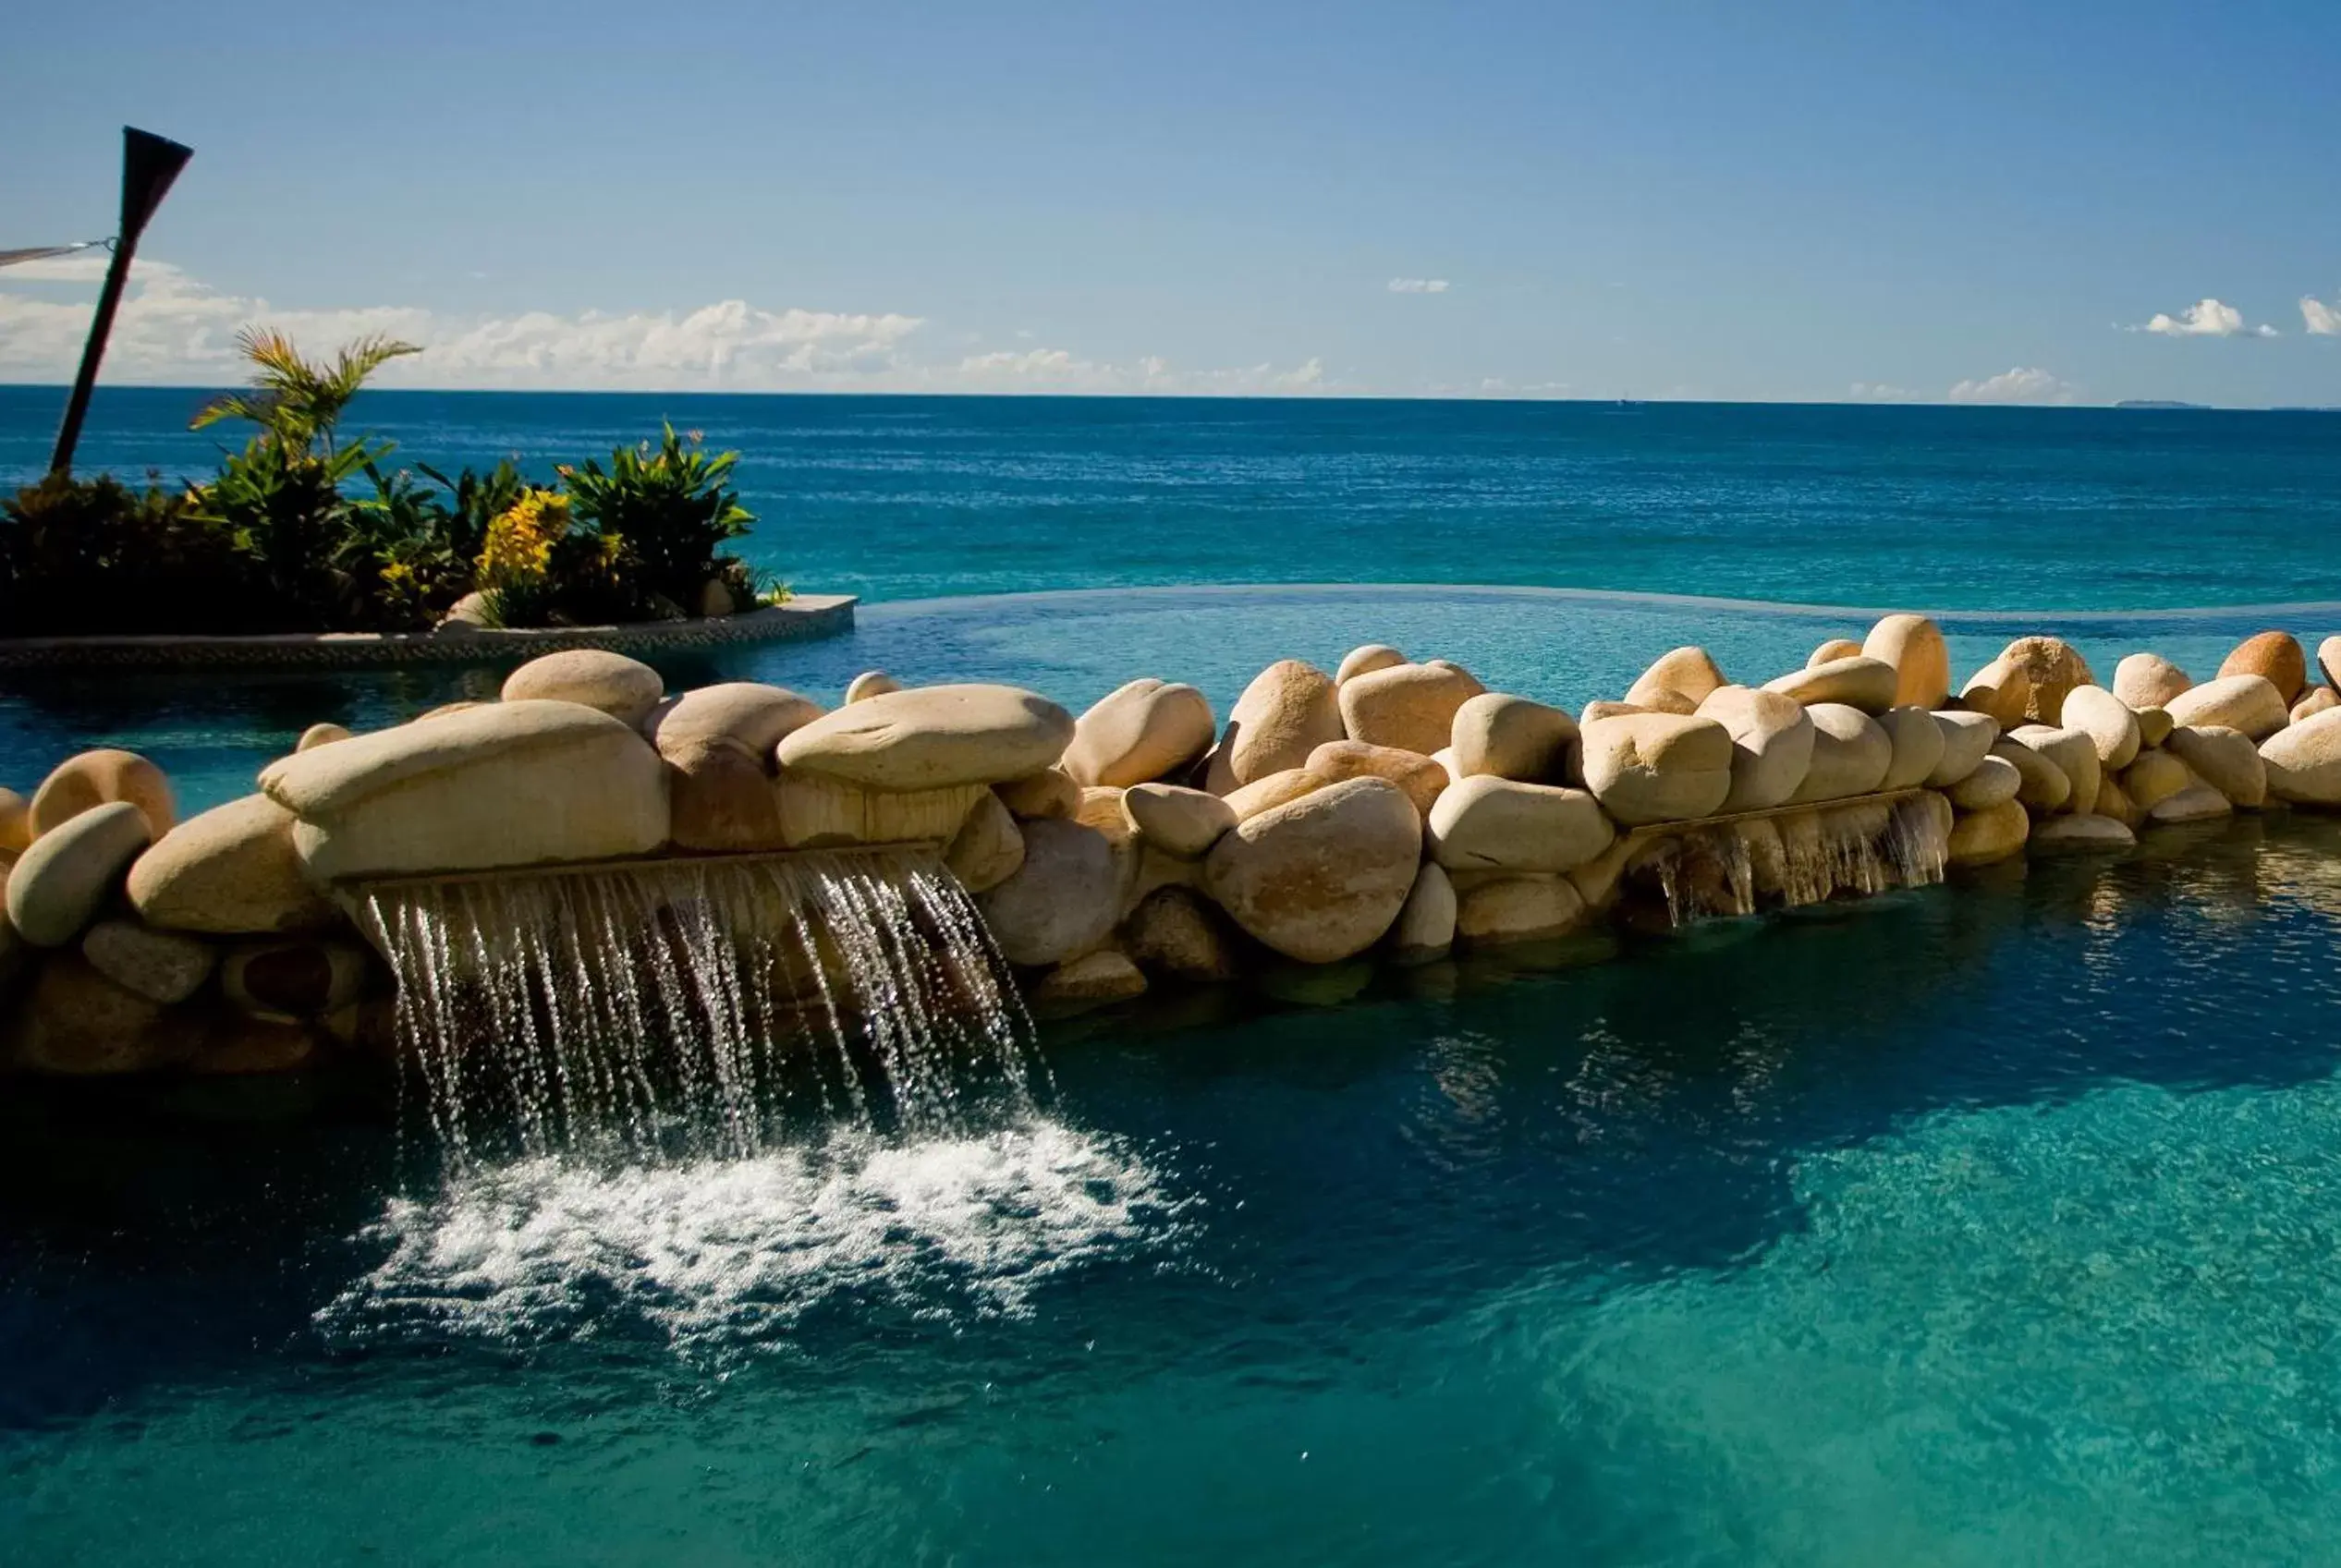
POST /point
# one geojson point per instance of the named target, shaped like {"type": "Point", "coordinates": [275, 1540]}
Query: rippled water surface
{"type": "Point", "coordinates": [1989, 1224]}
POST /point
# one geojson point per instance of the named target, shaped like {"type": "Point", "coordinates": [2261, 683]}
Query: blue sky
{"type": "Point", "coordinates": [1813, 201]}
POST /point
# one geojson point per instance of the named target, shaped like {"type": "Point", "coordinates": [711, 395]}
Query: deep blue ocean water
{"type": "Point", "coordinates": [1995, 1224]}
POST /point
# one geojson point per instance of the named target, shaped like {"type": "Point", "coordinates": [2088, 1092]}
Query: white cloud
{"type": "Point", "coordinates": [2321, 319]}
{"type": "Point", "coordinates": [2205, 318]}
{"type": "Point", "coordinates": [1881, 392]}
{"type": "Point", "coordinates": [1420, 285]}
{"type": "Point", "coordinates": [173, 329]}
{"type": "Point", "coordinates": [2018, 386]}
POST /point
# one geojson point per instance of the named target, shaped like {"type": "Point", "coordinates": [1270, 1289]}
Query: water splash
{"type": "Point", "coordinates": [701, 1007]}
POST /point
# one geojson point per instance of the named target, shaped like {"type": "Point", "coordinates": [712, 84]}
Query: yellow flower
{"type": "Point", "coordinates": [519, 542]}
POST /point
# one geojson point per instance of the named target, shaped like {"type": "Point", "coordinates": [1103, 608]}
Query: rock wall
{"type": "Point", "coordinates": [1393, 807]}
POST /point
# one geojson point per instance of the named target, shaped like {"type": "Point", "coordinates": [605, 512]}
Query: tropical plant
{"type": "Point", "coordinates": [84, 556]}
{"type": "Point", "coordinates": [671, 510]}
{"type": "Point", "coordinates": [296, 402]}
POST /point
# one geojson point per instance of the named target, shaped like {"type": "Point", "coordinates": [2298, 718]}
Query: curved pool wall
{"type": "Point", "coordinates": [213, 732]}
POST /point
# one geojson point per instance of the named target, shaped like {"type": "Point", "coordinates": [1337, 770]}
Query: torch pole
{"type": "Point", "coordinates": [149, 163]}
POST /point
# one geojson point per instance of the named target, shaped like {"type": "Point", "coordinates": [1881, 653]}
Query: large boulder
{"type": "Point", "coordinates": [1488, 823]}
{"type": "Point", "coordinates": [2153, 777]}
{"type": "Point", "coordinates": [2304, 761]}
{"type": "Point", "coordinates": [2315, 700]}
{"type": "Point", "coordinates": [2083, 834]}
{"type": "Point", "coordinates": [2051, 668]}
{"type": "Point", "coordinates": [1175, 931]}
{"type": "Point", "coordinates": [1408, 706]}
{"type": "Point", "coordinates": [1425, 927]}
{"type": "Point", "coordinates": [1771, 744]}
{"type": "Point", "coordinates": [717, 743]}
{"type": "Point", "coordinates": [1978, 838]}
{"type": "Point", "coordinates": [2149, 680]}
{"type": "Point", "coordinates": [1366, 659]}
{"type": "Point", "coordinates": [1422, 777]}
{"type": "Point", "coordinates": [2109, 722]}
{"type": "Point", "coordinates": [320, 734]}
{"type": "Point", "coordinates": [510, 783]}
{"type": "Point", "coordinates": [1657, 767]}
{"type": "Point", "coordinates": [2196, 803]}
{"type": "Point", "coordinates": [1921, 660]}
{"type": "Point", "coordinates": [749, 713]}
{"type": "Point", "coordinates": [2329, 660]}
{"type": "Point", "coordinates": [1277, 789]}
{"type": "Point", "coordinates": [76, 1023]}
{"type": "Point", "coordinates": [2075, 754]}
{"type": "Point", "coordinates": [932, 737]}
{"type": "Point", "coordinates": [230, 871]}
{"type": "Point", "coordinates": [1989, 781]}
{"type": "Point", "coordinates": [2225, 758]}
{"type": "Point", "coordinates": [2045, 786]}
{"type": "Point", "coordinates": [1858, 681]}
{"type": "Point", "coordinates": [2274, 655]}
{"type": "Point", "coordinates": [1518, 908]}
{"type": "Point", "coordinates": [56, 887]}
{"type": "Point", "coordinates": [1321, 878]}
{"type": "Point", "coordinates": [988, 847]}
{"type": "Point", "coordinates": [870, 683]}
{"type": "Point", "coordinates": [1049, 793]}
{"type": "Point", "coordinates": [2114, 801]}
{"type": "Point", "coordinates": [2154, 726]}
{"type": "Point", "coordinates": [626, 689]}
{"type": "Point", "coordinates": [1916, 741]}
{"type": "Point", "coordinates": [1177, 820]}
{"type": "Point", "coordinates": [1831, 649]}
{"type": "Point", "coordinates": [1967, 740]}
{"type": "Point", "coordinates": [2000, 689]}
{"type": "Point", "coordinates": [820, 812]}
{"type": "Point", "coordinates": [2250, 704]}
{"type": "Point", "coordinates": [1690, 672]}
{"type": "Point", "coordinates": [1148, 729]}
{"type": "Point", "coordinates": [1851, 753]}
{"type": "Point", "coordinates": [16, 821]}
{"type": "Point", "coordinates": [165, 967]}
{"type": "Point", "coordinates": [1288, 710]}
{"type": "Point", "coordinates": [1062, 901]}
{"type": "Point", "coordinates": [1094, 980]}
{"type": "Point", "coordinates": [1512, 738]}
{"type": "Point", "coordinates": [97, 778]}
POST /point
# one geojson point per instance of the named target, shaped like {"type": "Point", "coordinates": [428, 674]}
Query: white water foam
{"type": "Point", "coordinates": [716, 1255]}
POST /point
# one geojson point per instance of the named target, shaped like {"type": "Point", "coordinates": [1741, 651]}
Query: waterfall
{"type": "Point", "coordinates": [1797, 857]}
{"type": "Point", "coordinates": [699, 1007]}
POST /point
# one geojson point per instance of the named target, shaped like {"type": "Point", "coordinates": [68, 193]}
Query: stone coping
{"type": "Point", "coordinates": [802, 617]}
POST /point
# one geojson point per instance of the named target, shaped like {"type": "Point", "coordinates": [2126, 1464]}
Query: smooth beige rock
{"type": "Point", "coordinates": [1689, 672]}
{"type": "Point", "coordinates": [1989, 781]}
{"type": "Point", "coordinates": [2304, 761]}
{"type": "Point", "coordinates": [1288, 710]}
{"type": "Point", "coordinates": [2079, 835]}
{"type": "Point", "coordinates": [76, 1023]}
{"type": "Point", "coordinates": [1425, 926]}
{"type": "Point", "coordinates": [2154, 726]}
{"type": "Point", "coordinates": [1664, 699]}
{"type": "Point", "coordinates": [2045, 786]}
{"type": "Point", "coordinates": [2000, 689]}
{"type": "Point", "coordinates": [717, 743]}
{"type": "Point", "coordinates": [510, 783]}
{"type": "Point", "coordinates": [1916, 741]}
{"type": "Point", "coordinates": [1175, 931]}
{"type": "Point", "coordinates": [2315, 700]}
{"type": "Point", "coordinates": [1049, 793]}
{"type": "Point", "coordinates": [1771, 744]}
{"type": "Point", "coordinates": [1857, 682]}
{"type": "Point", "coordinates": [2275, 655]}
{"type": "Point", "coordinates": [316, 736]}
{"type": "Point", "coordinates": [98, 778]}
{"type": "Point", "coordinates": [1851, 752]}
{"type": "Point", "coordinates": [1829, 652]}
{"type": "Point", "coordinates": [1422, 778]}
{"type": "Point", "coordinates": [2114, 801]}
{"type": "Point", "coordinates": [1321, 878]}
{"type": "Point", "coordinates": [988, 847]}
{"type": "Point", "coordinates": [870, 683]}
{"type": "Point", "coordinates": [56, 887]}
{"type": "Point", "coordinates": [1967, 740]}
{"type": "Point", "coordinates": [2109, 722]}
{"type": "Point", "coordinates": [2247, 703]}
{"type": "Point", "coordinates": [1094, 980]}
{"type": "Point", "coordinates": [1596, 880]}
{"type": "Point", "coordinates": [2053, 667]}
{"type": "Point", "coordinates": [1490, 823]}
{"type": "Point", "coordinates": [2223, 758]}
{"type": "Point", "coordinates": [1062, 901]}
{"type": "Point", "coordinates": [2329, 660]}
{"type": "Point", "coordinates": [230, 871]}
{"type": "Point", "coordinates": [16, 821]}
{"type": "Point", "coordinates": [291, 981]}
{"type": "Point", "coordinates": [1978, 838]}
{"type": "Point", "coordinates": [2196, 803]}
{"type": "Point", "coordinates": [626, 689]}
{"type": "Point", "coordinates": [1657, 767]}
{"type": "Point", "coordinates": [2149, 680]}
{"type": "Point", "coordinates": [238, 1044]}
{"type": "Point", "coordinates": [163, 967]}
{"type": "Point", "coordinates": [2074, 751]}
{"type": "Point", "coordinates": [445, 710]}
{"type": "Point", "coordinates": [932, 737]}
{"type": "Point", "coordinates": [751, 713]}
{"type": "Point", "coordinates": [2154, 777]}
{"type": "Point", "coordinates": [1148, 729]}
{"type": "Point", "coordinates": [1512, 738]}
{"type": "Point", "coordinates": [1921, 660]}
{"type": "Point", "coordinates": [1367, 659]}
{"type": "Point", "coordinates": [1276, 789]}
{"type": "Point", "coordinates": [1409, 706]}
{"type": "Point", "coordinates": [1179, 821]}
{"type": "Point", "coordinates": [1602, 708]}
{"type": "Point", "coordinates": [1445, 759]}
{"type": "Point", "coordinates": [820, 812]}
{"type": "Point", "coordinates": [1518, 908]}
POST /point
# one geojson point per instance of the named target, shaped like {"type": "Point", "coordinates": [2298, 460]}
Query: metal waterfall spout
{"type": "Point", "coordinates": [696, 1006]}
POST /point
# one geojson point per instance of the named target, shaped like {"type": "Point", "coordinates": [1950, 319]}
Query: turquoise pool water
{"type": "Point", "coordinates": [1988, 1224]}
